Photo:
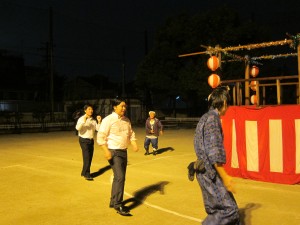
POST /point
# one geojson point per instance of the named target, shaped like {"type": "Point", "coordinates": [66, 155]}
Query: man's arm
{"type": "Point", "coordinates": [107, 153]}
{"type": "Point", "coordinates": [227, 180]}
{"type": "Point", "coordinates": [134, 145]}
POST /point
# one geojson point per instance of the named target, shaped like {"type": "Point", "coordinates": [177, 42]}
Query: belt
{"type": "Point", "coordinates": [125, 149]}
{"type": "Point", "coordinates": [86, 138]}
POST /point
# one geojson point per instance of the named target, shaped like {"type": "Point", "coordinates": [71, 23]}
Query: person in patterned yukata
{"type": "Point", "coordinates": [216, 185]}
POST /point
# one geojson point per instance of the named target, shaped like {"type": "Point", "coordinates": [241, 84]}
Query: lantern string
{"type": "Point", "coordinates": [260, 45]}
{"type": "Point", "coordinates": [293, 42]}
{"type": "Point", "coordinates": [253, 59]}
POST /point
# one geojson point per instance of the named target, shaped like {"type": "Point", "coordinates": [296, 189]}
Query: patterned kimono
{"type": "Point", "coordinates": [219, 203]}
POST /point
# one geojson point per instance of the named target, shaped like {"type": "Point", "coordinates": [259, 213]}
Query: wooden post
{"type": "Point", "coordinates": [234, 95]}
{"type": "Point", "coordinates": [298, 92]}
{"type": "Point", "coordinates": [241, 96]}
{"type": "Point", "coordinates": [257, 93]}
{"type": "Point", "coordinates": [219, 57]}
{"type": "Point", "coordinates": [238, 93]}
{"type": "Point", "coordinates": [264, 95]}
{"type": "Point", "coordinates": [247, 91]}
{"type": "Point", "coordinates": [278, 92]}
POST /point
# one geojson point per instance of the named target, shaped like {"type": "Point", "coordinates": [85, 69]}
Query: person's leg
{"type": "Point", "coordinates": [118, 164]}
{"type": "Point", "coordinates": [91, 153]}
{"type": "Point", "coordinates": [85, 156]}
{"type": "Point", "coordinates": [146, 145]}
{"type": "Point", "coordinates": [220, 205]}
{"type": "Point", "coordinates": [154, 143]}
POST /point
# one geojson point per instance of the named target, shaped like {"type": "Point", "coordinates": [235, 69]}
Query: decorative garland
{"type": "Point", "coordinates": [253, 59]}
{"type": "Point", "coordinates": [260, 45]}
{"type": "Point", "coordinates": [293, 42]}
{"type": "Point", "coordinates": [275, 56]}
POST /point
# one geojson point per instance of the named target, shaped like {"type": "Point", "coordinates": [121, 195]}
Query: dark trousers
{"type": "Point", "coordinates": [118, 164]}
{"type": "Point", "coordinates": [153, 141]}
{"type": "Point", "coordinates": [87, 147]}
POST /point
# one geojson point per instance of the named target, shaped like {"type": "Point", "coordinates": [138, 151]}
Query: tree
{"type": "Point", "coordinates": [163, 73]}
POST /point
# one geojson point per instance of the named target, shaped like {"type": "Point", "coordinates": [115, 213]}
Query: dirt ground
{"type": "Point", "coordinates": [41, 185]}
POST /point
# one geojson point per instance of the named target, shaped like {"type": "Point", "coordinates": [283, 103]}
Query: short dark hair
{"type": "Point", "coordinates": [86, 106]}
{"type": "Point", "coordinates": [117, 101]}
{"type": "Point", "coordinates": [218, 96]}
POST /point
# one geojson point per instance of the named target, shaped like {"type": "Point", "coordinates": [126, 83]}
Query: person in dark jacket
{"type": "Point", "coordinates": [154, 128]}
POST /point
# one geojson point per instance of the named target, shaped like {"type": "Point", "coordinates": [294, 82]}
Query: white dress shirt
{"type": "Point", "coordinates": [87, 129]}
{"type": "Point", "coordinates": [116, 132]}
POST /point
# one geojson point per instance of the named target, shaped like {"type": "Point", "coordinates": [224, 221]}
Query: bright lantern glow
{"type": "Point", "coordinates": [253, 99]}
{"type": "Point", "coordinates": [213, 63]}
{"type": "Point", "coordinates": [253, 85]}
{"type": "Point", "coordinates": [254, 71]}
{"type": "Point", "coordinates": [214, 80]}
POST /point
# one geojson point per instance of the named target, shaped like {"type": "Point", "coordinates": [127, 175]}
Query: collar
{"type": "Point", "coordinates": [116, 115]}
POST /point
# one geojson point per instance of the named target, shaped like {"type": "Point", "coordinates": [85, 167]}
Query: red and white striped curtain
{"type": "Point", "coordinates": [263, 143]}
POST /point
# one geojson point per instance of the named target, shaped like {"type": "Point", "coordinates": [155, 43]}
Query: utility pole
{"type": "Point", "coordinates": [50, 63]}
{"type": "Point", "coordinates": [123, 72]}
{"type": "Point", "coordinates": [146, 42]}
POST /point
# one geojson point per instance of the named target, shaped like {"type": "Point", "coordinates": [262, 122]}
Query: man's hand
{"type": "Point", "coordinates": [134, 146]}
{"type": "Point", "coordinates": [229, 184]}
{"type": "Point", "coordinates": [107, 153]}
{"type": "Point", "coordinates": [227, 180]}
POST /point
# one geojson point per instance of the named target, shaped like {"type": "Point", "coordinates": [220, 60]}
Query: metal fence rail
{"type": "Point", "coordinates": [7, 128]}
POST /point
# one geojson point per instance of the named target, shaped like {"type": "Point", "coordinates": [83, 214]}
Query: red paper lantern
{"type": "Point", "coordinates": [254, 71]}
{"type": "Point", "coordinates": [214, 80]}
{"type": "Point", "coordinates": [213, 63]}
{"type": "Point", "coordinates": [253, 85]}
{"type": "Point", "coordinates": [253, 99]}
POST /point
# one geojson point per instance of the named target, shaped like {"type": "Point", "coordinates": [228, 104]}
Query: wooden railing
{"type": "Point", "coordinates": [260, 92]}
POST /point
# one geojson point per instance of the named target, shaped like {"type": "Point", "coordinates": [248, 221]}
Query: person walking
{"type": "Point", "coordinates": [86, 126]}
{"type": "Point", "coordinates": [216, 185]}
{"type": "Point", "coordinates": [154, 128]}
{"type": "Point", "coordinates": [114, 136]}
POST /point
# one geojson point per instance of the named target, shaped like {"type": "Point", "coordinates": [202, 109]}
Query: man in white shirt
{"type": "Point", "coordinates": [86, 126]}
{"type": "Point", "coordinates": [114, 136]}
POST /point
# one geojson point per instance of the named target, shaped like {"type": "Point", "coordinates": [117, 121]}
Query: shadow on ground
{"type": "Point", "coordinates": [162, 150]}
{"type": "Point", "coordinates": [140, 196]}
{"type": "Point", "coordinates": [245, 213]}
{"type": "Point", "coordinates": [101, 171]}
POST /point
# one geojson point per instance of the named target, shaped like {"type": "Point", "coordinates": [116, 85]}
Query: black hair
{"type": "Point", "coordinates": [86, 106]}
{"type": "Point", "coordinates": [218, 96]}
{"type": "Point", "coordinates": [117, 101]}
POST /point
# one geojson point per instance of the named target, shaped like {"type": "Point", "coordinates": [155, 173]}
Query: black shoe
{"type": "Point", "coordinates": [154, 152]}
{"type": "Point", "coordinates": [191, 171]}
{"type": "Point", "coordinates": [111, 205]}
{"type": "Point", "coordinates": [147, 153]}
{"type": "Point", "coordinates": [123, 211]}
{"type": "Point", "coordinates": [88, 178]}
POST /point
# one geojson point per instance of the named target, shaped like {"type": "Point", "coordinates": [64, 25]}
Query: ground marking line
{"type": "Point", "coordinates": [158, 158]}
{"type": "Point", "coordinates": [48, 157]}
{"type": "Point", "coordinates": [6, 167]}
{"type": "Point", "coordinates": [50, 172]}
{"type": "Point", "coordinates": [144, 202]}
{"type": "Point", "coordinates": [167, 210]}
{"type": "Point", "coordinates": [155, 206]}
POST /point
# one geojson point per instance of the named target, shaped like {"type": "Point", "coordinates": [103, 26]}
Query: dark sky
{"type": "Point", "coordinates": [90, 36]}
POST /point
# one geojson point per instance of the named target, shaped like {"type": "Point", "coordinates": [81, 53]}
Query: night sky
{"type": "Point", "coordinates": [90, 36]}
